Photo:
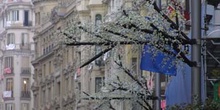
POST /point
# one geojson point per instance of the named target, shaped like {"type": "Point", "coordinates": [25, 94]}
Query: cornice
{"type": "Point", "coordinates": [41, 1]}
{"type": "Point", "coordinates": [42, 58]}
{"type": "Point", "coordinates": [69, 10]}
{"type": "Point", "coordinates": [17, 4]}
{"type": "Point", "coordinates": [97, 6]}
{"type": "Point", "coordinates": [105, 1]}
{"type": "Point", "coordinates": [18, 52]}
{"type": "Point", "coordinates": [20, 27]}
{"type": "Point", "coordinates": [44, 28]}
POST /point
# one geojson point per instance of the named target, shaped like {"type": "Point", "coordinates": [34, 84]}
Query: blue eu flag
{"type": "Point", "coordinates": [156, 61]}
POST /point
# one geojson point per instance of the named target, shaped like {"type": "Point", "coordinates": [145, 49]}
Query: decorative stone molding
{"type": "Point", "coordinates": [57, 102]}
{"type": "Point", "coordinates": [35, 76]}
{"type": "Point", "coordinates": [37, 1]}
{"type": "Point", "coordinates": [65, 72]}
{"type": "Point", "coordinates": [58, 58]}
{"type": "Point", "coordinates": [47, 80]}
{"type": "Point", "coordinates": [57, 99]}
{"type": "Point", "coordinates": [54, 15]}
{"type": "Point", "coordinates": [40, 73]}
{"type": "Point", "coordinates": [53, 102]}
{"type": "Point", "coordinates": [48, 106]}
{"type": "Point", "coordinates": [52, 78]}
{"type": "Point", "coordinates": [105, 1]}
{"type": "Point", "coordinates": [64, 101]}
{"type": "Point", "coordinates": [71, 101]}
{"type": "Point", "coordinates": [70, 93]}
{"type": "Point", "coordinates": [42, 82]}
{"type": "Point", "coordinates": [70, 68]}
{"type": "Point", "coordinates": [34, 87]}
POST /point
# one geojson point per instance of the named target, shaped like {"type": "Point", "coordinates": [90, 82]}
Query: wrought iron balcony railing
{"type": "Point", "coordinates": [25, 70]}
{"type": "Point", "coordinates": [25, 94]}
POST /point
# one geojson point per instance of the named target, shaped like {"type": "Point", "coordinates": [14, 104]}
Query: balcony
{"type": "Point", "coordinates": [8, 71]}
{"type": "Point", "coordinates": [18, 24]}
{"type": "Point", "coordinates": [14, 24]}
{"type": "Point", "coordinates": [25, 95]}
{"type": "Point", "coordinates": [25, 70]}
{"type": "Point", "coordinates": [8, 95]}
{"type": "Point", "coordinates": [25, 46]}
{"type": "Point", "coordinates": [10, 47]}
{"type": "Point", "coordinates": [27, 23]}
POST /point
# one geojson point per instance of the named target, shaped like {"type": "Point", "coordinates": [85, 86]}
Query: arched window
{"type": "Point", "coordinates": [98, 19]}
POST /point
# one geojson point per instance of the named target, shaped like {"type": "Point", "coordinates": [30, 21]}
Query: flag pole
{"type": "Point", "coordinates": [196, 51]}
{"type": "Point", "coordinates": [157, 80]}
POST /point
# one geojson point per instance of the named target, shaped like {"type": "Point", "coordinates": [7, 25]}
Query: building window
{"type": "Point", "coordinates": [49, 94]}
{"type": "Point", "coordinates": [10, 85]}
{"type": "Point", "coordinates": [50, 67]}
{"type": "Point", "coordinates": [9, 106]}
{"type": "Point", "coordinates": [67, 85]}
{"type": "Point", "coordinates": [15, 15]}
{"type": "Point", "coordinates": [25, 90]}
{"type": "Point", "coordinates": [24, 39]}
{"type": "Point", "coordinates": [58, 89]}
{"type": "Point", "coordinates": [38, 18]}
{"type": "Point", "coordinates": [24, 106]}
{"type": "Point", "coordinates": [112, 5]}
{"type": "Point", "coordinates": [98, 19]}
{"type": "Point", "coordinates": [10, 38]}
{"type": "Point", "coordinates": [25, 84]}
{"type": "Point", "coordinates": [79, 87]}
{"type": "Point", "coordinates": [80, 59]}
{"type": "Point", "coordinates": [99, 82]}
{"type": "Point", "coordinates": [98, 49]}
{"type": "Point", "coordinates": [44, 97]}
{"type": "Point", "coordinates": [9, 64]}
{"type": "Point", "coordinates": [26, 17]}
{"type": "Point", "coordinates": [67, 56]}
{"type": "Point", "coordinates": [44, 73]}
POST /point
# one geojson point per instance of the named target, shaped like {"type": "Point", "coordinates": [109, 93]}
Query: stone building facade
{"type": "Point", "coordinates": [16, 54]}
{"type": "Point", "coordinates": [59, 84]}
{"type": "Point", "coordinates": [53, 87]}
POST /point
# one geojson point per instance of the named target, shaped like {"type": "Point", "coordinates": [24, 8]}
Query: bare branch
{"type": "Point", "coordinates": [97, 56]}
{"type": "Point", "coordinates": [110, 106]}
{"type": "Point", "coordinates": [142, 105]}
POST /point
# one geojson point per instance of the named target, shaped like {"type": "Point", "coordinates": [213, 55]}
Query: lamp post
{"type": "Point", "coordinates": [196, 51]}
{"type": "Point", "coordinates": [157, 80]}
